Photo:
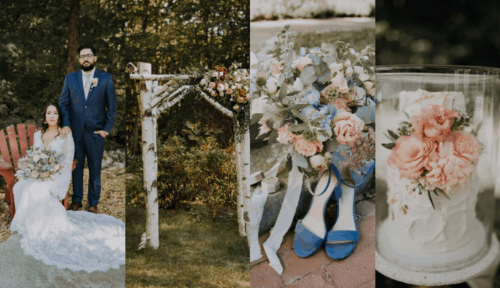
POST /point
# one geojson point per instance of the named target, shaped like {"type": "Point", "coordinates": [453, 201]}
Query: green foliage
{"type": "Point", "coordinates": [193, 167]}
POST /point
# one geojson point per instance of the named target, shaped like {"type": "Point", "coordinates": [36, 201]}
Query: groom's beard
{"type": "Point", "coordinates": [88, 68]}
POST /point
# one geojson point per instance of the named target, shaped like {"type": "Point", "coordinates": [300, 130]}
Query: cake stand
{"type": "Point", "coordinates": [464, 272]}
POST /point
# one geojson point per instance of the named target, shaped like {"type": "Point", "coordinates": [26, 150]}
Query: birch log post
{"type": "Point", "coordinates": [149, 156]}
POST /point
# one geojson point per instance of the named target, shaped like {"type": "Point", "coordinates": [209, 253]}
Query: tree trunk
{"type": "Point", "coordinates": [74, 11]}
{"type": "Point", "coordinates": [149, 158]}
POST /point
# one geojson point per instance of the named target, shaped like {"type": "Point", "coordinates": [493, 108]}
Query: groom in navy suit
{"type": "Point", "coordinates": [88, 107]}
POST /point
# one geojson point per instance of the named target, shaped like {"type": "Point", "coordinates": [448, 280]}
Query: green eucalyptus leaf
{"type": "Point", "coordinates": [273, 137]}
{"type": "Point", "coordinates": [307, 76]}
{"type": "Point", "coordinates": [300, 160]}
{"type": "Point", "coordinates": [283, 89]}
{"type": "Point", "coordinates": [256, 118]}
{"type": "Point", "coordinates": [322, 72]}
{"type": "Point", "coordinates": [331, 145]}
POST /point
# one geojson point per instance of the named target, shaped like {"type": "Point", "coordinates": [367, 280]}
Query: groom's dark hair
{"type": "Point", "coordinates": [87, 46]}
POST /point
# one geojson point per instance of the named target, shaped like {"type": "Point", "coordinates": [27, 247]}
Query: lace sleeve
{"type": "Point", "coordinates": [63, 179]}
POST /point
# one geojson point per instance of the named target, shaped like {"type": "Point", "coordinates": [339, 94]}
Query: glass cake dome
{"type": "Point", "coordinates": [437, 145]}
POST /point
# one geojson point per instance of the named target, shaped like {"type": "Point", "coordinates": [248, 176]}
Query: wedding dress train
{"type": "Point", "coordinates": [77, 240]}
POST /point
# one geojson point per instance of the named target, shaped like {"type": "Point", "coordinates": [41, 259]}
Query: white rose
{"type": "Point", "coordinates": [318, 162]}
{"type": "Point", "coordinates": [335, 67]}
{"type": "Point", "coordinates": [347, 63]}
{"type": "Point", "coordinates": [368, 85]}
{"type": "Point", "coordinates": [215, 74]}
{"type": "Point", "coordinates": [348, 71]}
{"type": "Point", "coordinates": [363, 77]}
{"type": "Point", "coordinates": [359, 70]}
{"type": "Point", "coordinates": [233, 87]}
{"type": "Point", "coordinates": [297, 85]}
{"type": "Point", "coordinates": [220, 87]}
{"type": "Point", "coordinates": [226, 86]}
{"type": "Point", "coordinates": [258, 105]}
{"type": "Point", "coordinates": [272, 85]}
{"type": "Point", "coordinates": [301, 62]}
{"type": "Point", "coordinates": [203, 81]}
{"type": "Point", "coordinates": [221, 73]}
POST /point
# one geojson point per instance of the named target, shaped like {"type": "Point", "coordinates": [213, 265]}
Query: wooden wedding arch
{"type": "Point", "coordinates": [154, 99]}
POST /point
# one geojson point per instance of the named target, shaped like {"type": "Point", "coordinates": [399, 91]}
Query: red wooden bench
{"type": "Point", "coordinates": [8, 166]}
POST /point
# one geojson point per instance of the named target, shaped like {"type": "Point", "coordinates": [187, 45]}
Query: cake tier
{"type": "Point", "coordinates": [421, 227]}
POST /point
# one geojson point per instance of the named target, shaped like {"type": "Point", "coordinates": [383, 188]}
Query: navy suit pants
{"type": "Point", "coordinates": [91, 146]}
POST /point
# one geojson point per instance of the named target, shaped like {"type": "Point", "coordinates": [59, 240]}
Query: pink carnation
{"type": "Point", "coordinates": [348, 127]}
{"type": "Point", "coordinates": [465, 145]}
{"type": "Point", "coordinates": [410, 155]}
{"type": "Point", "coordinates": [285, 136]}
{"type": "Point", "coordinates": [305, 147]}
{"type": "Point", "coordinates": [447, 169]}
{"type": "Point", "coordinates": [433, 121]}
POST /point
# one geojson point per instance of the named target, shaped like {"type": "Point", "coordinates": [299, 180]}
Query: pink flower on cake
{"type": "Point", "coordinates": [434, 122]}
{"type": "Point", "coordinates": [410, 155]}
{"type": "Point", "coordinates": [348, 127]}
{"type": "Point", "coordinates": [465, 145]}
{"type": "Point", "coordinates": [285, 136]}
{"type": "Point", "coordinates": [446, 169]}
{"type": "Point", "coordinates": [305, 147]}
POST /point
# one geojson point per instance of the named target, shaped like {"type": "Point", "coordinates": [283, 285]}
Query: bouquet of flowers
{"type": "Point", "coordinates": [317, 107]}
{"type": "Point", "coordinates": [433, 151]}
{"type": "Point", "coordinates": [40, 164]}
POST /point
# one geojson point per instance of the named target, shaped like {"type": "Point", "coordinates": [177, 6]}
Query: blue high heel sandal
{"type": "Point", "coordinates": [344, 235]}
{"type": "Point", "coordinates": [310, 232]}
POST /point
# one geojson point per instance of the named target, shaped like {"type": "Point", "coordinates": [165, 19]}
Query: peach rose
{"type": "Point", "coordinates": [465, 145]}
{"type": "Point", "coordinates": [433, 121]}
{"type": "Point", "coordinates": [340, 104]}
{"type": "Point", "coordinates": [302, 62]}
{"type": "Point", "coordinates": [446, 169]}
{"type": "Point", "coordinates": [410, 155]}
{"type": "Point", "coordinates": [348, 127]}
{"type": "Point", "coordinates": [211, 85]}
{"type": "Point", "coordinates": [335, 67]}
{"type": "Point", "coordinates": [285, 136]}
{"type": "Point", "coordinates": [305, 147]}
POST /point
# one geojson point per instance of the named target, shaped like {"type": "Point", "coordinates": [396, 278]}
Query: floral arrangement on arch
{"type": "Point", "coordinates": [317, 107]}
{"type": "Point", "coordinates": [39, 163]}
{"type": "Point", "coordinates": [433, 151]}
{"type": "Point", "coordinates": [230, 87]}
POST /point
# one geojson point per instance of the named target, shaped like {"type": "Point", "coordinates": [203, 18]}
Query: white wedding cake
{"type": "Point", "coordinates": [413, 224]}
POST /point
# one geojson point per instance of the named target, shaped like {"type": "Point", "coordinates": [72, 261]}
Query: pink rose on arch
{"type": "Point", "coordinates": [433, 121]}
{"type": "Point", "coordinates": [465, 145]}
{"type": "Point", "coordinates": [410, 155]}
{"type": "Point", "coordinates": [211, 85]}
{"type": "Point", "coordinates": [447, 169]}
{"type": "Point", "coordinates": [347, 127]}
{"type": "Point", "coordinates": [307, 148]}
{"type": "Point", "coordinates": [285, 136]}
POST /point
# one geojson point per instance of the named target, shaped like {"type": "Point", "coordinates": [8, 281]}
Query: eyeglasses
{"type": "Point", "coordinates": [86, 56]}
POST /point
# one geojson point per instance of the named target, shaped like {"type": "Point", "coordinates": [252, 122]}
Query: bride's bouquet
{"type": "Point", "coordinates": [40, 164]}
{"type": "Point", "coordinates": [317, 107]}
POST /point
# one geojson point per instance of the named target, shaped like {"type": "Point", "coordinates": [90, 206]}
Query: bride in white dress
{"type": "Point", "coordinates": [77, 240]}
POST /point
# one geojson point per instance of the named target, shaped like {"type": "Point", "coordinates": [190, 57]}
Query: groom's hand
{"type": "Point", "coordinates": [102, 133]}
{"type": "Point", "coordinates": [65, 131]}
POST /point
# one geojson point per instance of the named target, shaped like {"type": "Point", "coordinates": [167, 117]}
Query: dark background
{"type": "Point", "coordinates": [459, 32]}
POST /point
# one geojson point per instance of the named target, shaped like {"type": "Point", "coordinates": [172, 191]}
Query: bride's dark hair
{"type": "Point", "coordinates": [45, 125]}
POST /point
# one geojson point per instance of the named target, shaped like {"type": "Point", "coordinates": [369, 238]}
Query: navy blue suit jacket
{"type": "Point", "coordinates": [97, 112]}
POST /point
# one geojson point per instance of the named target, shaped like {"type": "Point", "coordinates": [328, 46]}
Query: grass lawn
{"type": "Point", "coordinates": [194, 251]}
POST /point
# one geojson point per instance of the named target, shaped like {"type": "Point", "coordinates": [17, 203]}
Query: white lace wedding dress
{"type": "Point", "coordinates": [77, 240]}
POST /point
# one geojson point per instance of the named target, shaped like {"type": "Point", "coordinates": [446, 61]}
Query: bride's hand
{"type": "Point", "coordinates": [65, 131]}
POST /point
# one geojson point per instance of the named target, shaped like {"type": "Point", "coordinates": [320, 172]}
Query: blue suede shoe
{"type": "Point", "coordinates": [343, 237]}
{"type": "Point", "coordinates": [310, 232]}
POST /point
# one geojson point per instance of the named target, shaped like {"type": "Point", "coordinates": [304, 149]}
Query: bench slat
{"type": "Point", "coordinates": [14, 150]}
{"type": "Point", "coordinates": [31, 132]}
{"type": "Point", "coordinates": [3, 147]}
{"type": "Point", "coordinates": [23, 142]}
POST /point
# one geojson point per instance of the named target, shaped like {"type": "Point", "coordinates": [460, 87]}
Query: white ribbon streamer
{"type": "Point", "coordinates": [256, 209]}
{"type": "Point", "coordinates": [285, 218]}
